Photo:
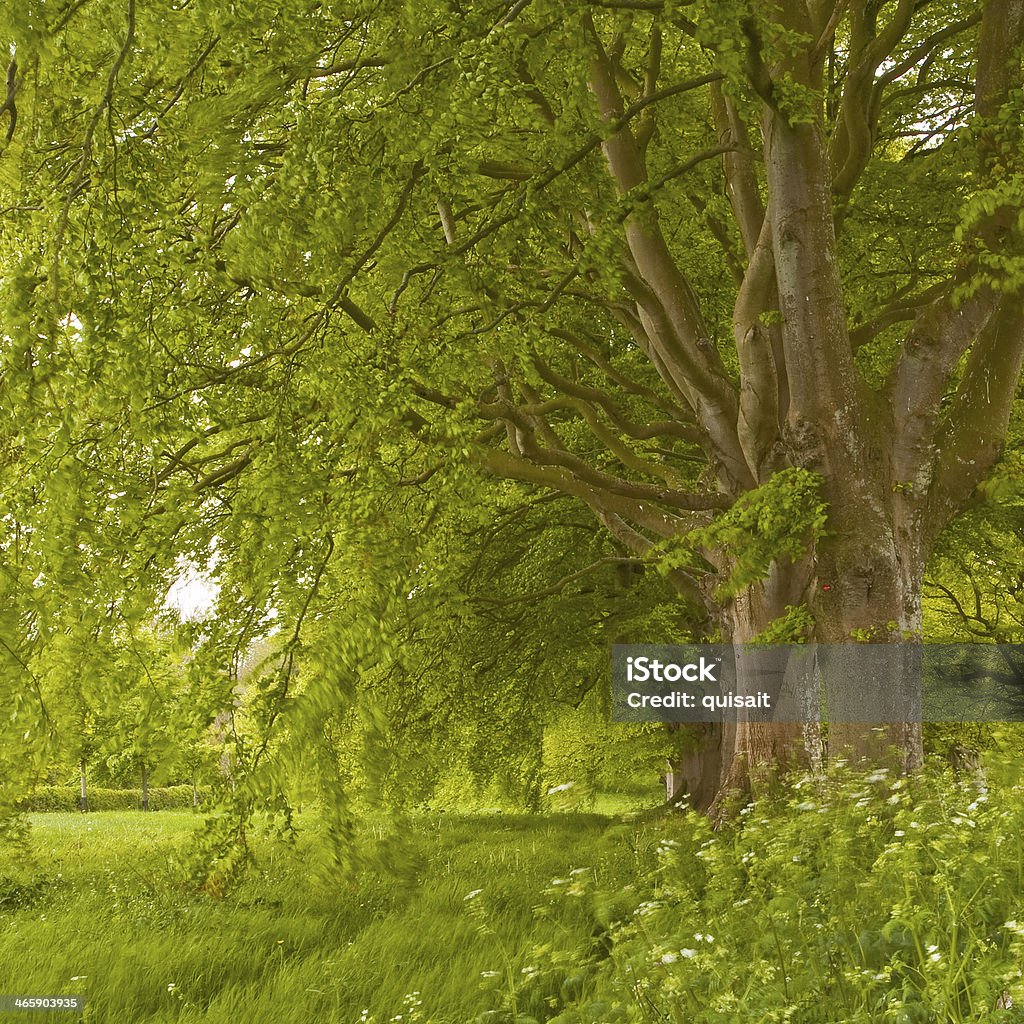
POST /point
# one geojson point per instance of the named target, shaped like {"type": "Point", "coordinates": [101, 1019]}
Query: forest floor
{"type": "Point", "coordinates": [856, 898]}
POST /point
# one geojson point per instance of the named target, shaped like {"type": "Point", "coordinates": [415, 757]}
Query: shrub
{"type": "Point", "coordinates": [66, 798]}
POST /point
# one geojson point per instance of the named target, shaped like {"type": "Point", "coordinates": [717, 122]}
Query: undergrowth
{"type": "Point", "coordinates": [849, 898]}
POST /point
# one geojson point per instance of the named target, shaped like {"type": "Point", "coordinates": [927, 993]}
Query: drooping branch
{"type": "Point", "coordinates": [641, 511]}
{"type": "Point", "coordinates": [681, 417]}
{"type": "Point", "coordinates": [614, 444]}
{"type": "Point", "coordinates": [599, 397]}
{"type": "Point", "coordinates": [530, 420]}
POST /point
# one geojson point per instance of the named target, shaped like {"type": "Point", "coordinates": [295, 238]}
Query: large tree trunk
{"type": "Point", "coordinates": [875, 597]}
{"type": "Point", "coordinates": [864, 585]}
{"type": "Point", "coordinates": [722, 758]}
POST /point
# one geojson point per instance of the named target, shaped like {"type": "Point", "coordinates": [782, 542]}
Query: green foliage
{"type": "Point", "coordinates": [974, 586]}
{"type": "Point", "coordinates": [851, 896]}
{"type": "Point", "coordinates": [791, 628]}
{"type": "Point", "coordinates": [1001, 270]}
{"type": "Point", "coordinates": [856, 898]}
{"type": "Point", "coordinates": [586, 754]}
{"type": "Point", "coordinates": [66, 798]}
{"type": "Point", "coordinates": [238, 343]}
{"type": "Point", "coordinates": [780, 519]}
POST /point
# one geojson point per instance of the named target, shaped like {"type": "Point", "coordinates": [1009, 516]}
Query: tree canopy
{"type": "Point", "coordinates": [388, 316]}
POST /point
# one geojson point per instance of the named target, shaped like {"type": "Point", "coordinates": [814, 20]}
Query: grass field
{"type": "Point", "coordinates": [857, 899]}
{"type": "Point", "coordinates": [103, 913]}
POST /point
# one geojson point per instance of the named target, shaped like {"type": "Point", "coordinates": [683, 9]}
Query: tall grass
{"type": "Point", "coordinates": [103, 912]}
{"type": "Point", "coordinates": [860, 898]}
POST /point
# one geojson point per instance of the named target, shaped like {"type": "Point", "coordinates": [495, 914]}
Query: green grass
{"type": "Point", "coordinates": [105, 905]}
{"type": "Point", "coordinates": [859, 899]}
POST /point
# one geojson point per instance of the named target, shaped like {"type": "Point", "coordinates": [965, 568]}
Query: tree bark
{"type": "Point", "coordinates": [860, 588]}
{"type": "Point", "coordinates": [724, 758]}
{"type": "Point", "coordinates": [875, 597]}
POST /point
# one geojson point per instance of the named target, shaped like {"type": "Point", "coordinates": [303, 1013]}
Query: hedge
{"type": "Point", "coordinates": [67, 798]}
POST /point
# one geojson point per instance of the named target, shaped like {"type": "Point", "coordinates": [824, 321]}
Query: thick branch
{"type": "Point", "coordinates": [975, 422]}
{"type": "Point", "coordinates": [640, 511]}
{"type": "Point", "coordinates": [530, 418]}
{"type": "Point", "coordinates": [899, 310]}
{"type": "Point", "coordinates": [1002, 33]}
{"type": "Point", "coordinates": [925, 49]}
{"type": "Point", "coordinates": [627, 383]}
{"type": "Point", "coordinates": [740, 173]}
{"type": "Point", "coordinates": [758, 425]}
{"type": "Point", "coordinates": [931, 352]}
{"type": "Point", "coordinates": [614, 444]}
{"type": "Point", "coordinates": [10, 106]}
{"type": "Point", "coordinates": [682, 339]}
{"type": "Point", "coordinates": [854, 137]}
{"type": "Point", "coordinates": [685, 431]}
{"type": "Point", "coordinates": [824, 393]}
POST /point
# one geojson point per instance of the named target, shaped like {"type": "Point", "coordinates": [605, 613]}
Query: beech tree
{"type": "Point", "coordinates": [742, 279]}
